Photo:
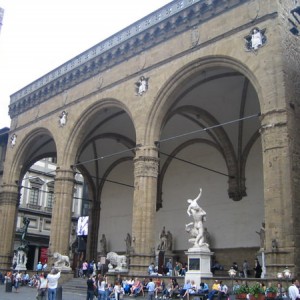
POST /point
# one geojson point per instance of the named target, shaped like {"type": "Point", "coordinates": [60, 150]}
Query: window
{"type": "Point", "coordinates": [34, 196]}
{"type": "Point", "coordinates": [50, 199]}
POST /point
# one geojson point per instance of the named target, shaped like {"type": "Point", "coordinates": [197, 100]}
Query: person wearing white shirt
{"type": "Point", "coordinates": [52, 284]}
{"type": "Point", "coordinates": [293, 290]}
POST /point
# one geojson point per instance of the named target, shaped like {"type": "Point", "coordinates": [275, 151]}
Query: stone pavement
{"type": "Point", "coordinates": [28, 293]}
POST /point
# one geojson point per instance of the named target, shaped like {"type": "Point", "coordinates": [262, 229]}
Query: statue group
{"type": "Point", "coordinates": [198, 234]}
{"type": "Point", "coordinates": [165, 240]}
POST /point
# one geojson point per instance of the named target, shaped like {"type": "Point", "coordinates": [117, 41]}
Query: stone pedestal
{"type": "Point", "coordinates": [21, 260]}
{"type": "Point", "coordinates": [199, 264]}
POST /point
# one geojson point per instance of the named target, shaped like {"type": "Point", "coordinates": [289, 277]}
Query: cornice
{"type": "Point", "coordinates": [163, 24]}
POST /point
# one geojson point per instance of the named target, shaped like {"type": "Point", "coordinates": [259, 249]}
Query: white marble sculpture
{"type": "Point", "coordinates": [21, 260]}
{"type": "Point", "coordinates": [62, 261]}
{"type": "Point", "coordinates": [196, 228]}
{"type": "Point", "coordinates": [117, 263]}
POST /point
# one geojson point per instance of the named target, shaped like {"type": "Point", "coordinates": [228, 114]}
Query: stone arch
{"type": "Point", "coordinates": [167, 93]}
{"type": "Point", "coordinates": [174, 91]}
{"type": "Point", "coordinates": [87, 139]}
{"type": "Point", "coordinates": [26, 154]}
{"type": "Point", "coordinates": [79, 129]}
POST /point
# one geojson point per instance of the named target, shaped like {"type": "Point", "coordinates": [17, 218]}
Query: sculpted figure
{"type": "Point", "coordinates": [256, 39]}
{"type": "Point", "coordinates": [196, 228]}
{"type": "Point", "coordinates": [62, 261]}
{"type": "Point", "coordinates": [142, 85]}
{"type": "Point", "coordinates": [163, 244]}
{"type": "Point", "coordinates": [169, 240]}
{"type": "Point", "coordinates": [116, 262]}
{"type": "Point", "coordinates": [103, 248]}
{"type": "Point", "coordinates": [128, 243]}
{"type": "Point", "coordinates": [261, 234]}
{"type": "Point", "coordinates": [63, 119]}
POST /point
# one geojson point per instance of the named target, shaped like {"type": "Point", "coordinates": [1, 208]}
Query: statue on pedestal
{"type": "Point", "coordinates": [262, 234]}
{"type": "Point", "coordinates": [22, 251]}
{"type": "Point", "coordinates": [103, 245]}
{"type": "Point", "coordinates": [163, 240]}
{"type": "Point", "coordinates": [196, 228]}
{"type": "Point", "coordinates": [128, 241]}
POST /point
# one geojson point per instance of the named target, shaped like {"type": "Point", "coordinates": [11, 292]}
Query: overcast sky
{"type": "Point", "coordinates": [39, 35]}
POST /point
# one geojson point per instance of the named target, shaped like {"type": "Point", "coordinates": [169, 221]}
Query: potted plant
{"type": "Point", "coordinates": [241, 292]}
{"type": "Point", "coordinates": [256, 292]}
{"type": "Point", "coordinates": [271, 292]}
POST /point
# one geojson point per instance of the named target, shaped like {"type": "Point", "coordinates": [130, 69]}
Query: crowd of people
{"type": "Point", "coordinates": [168, 269]}
{"type": "Point", "coordinates": [46, 284]}
{"type": "Point", "coordinates": [158, 287]}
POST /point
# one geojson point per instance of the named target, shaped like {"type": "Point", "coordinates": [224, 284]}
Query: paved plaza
{"type": "Point", "coordinates": [28, 293]}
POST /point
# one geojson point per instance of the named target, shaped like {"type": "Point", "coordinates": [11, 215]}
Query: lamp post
{"type": "Point", "coordinates": [287, 275]}
{"type": "Point", "coordinates": [232, 274]}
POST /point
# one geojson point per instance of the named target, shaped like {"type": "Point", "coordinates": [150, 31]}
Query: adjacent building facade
{"type": "Point", "coordinates": [199, 94]}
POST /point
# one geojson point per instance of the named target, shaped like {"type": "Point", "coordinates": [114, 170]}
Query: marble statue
{"type": "Point", "coordinates": [169, 241]}
{"type": "Point", "coordinates": [128, 243]}
{"type": "Point", "coordinates": [103, 245]}
{"type": "Point", "coordinates": [196, 228]}
{"type": "Point", "coordinates": [62, 262]}
{"type": "Point", "coordinates": [13, 140]}
{"type": "Point", "coordinates": [142, 85]}
{"type": "Point", "coordinates": [262, 234]}
{"type": "Point", "coordinates": [163, 240]}
{"type": "Point", "coordinates": [117, 263]}
{"type": "Point", "coordinates": [63, 118]}
{"type": "Point", "coordinates": [256, 39]}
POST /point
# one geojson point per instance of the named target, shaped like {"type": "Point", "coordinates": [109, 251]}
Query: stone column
{"type": "Point", "coordinates": [9, 201]}
{"type": "Point", "coordinates": [61, 212]}
{"type": "Point", "coordinates": [280, 199]}
{"type": "Point", "coordinates": [144, 209]}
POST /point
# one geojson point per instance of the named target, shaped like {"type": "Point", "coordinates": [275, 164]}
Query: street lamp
{"type": "Point", "coordinates": [287, 274]}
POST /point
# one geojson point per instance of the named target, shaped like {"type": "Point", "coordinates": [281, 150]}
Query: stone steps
{"type": "Point", "coordinates": [75, 285]}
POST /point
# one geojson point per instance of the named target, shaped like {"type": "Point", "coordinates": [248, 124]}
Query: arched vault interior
{"type": "Point", "coordinates": [210, 139]}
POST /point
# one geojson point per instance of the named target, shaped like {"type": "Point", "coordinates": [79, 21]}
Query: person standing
{"type": "Point", "coordinates": [39, 267]}
{"type": "Point", "coordinates": [90, 288]}
{"type": "Point", "coordinates": [257, 269]}
{"type": "Point", "coordinates": [42, 287]}
{"type": "Point", "coordinates": [245, 268]}
{"type": "Point", "coordinates": [85, 266]}
{"type": "Point", "coordinates": [151, 288]}
{"type": "Point", "coordinates": [294, 290]}
{"type": "Point", "coordinates": [102, 287]}
{"type": "Point", "coordinates": [169, 266]}
{"type": "Point", "coordinates": [17, 280]}
{"type": "Point", "coordinates": [52, 280]}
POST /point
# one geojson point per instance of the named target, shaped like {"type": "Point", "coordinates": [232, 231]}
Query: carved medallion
{"type": "Point", "coordinates": [255, 39]}
{"type": "Point", "coordinates": [63, 118]}
{"type": "Point", "coordinates": [13, 140]}
{"type": "Point", "coordinates": [141, 86]}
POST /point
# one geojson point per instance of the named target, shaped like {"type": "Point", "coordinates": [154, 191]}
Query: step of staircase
{"type": "Point", "coordinates": [75, 285]}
